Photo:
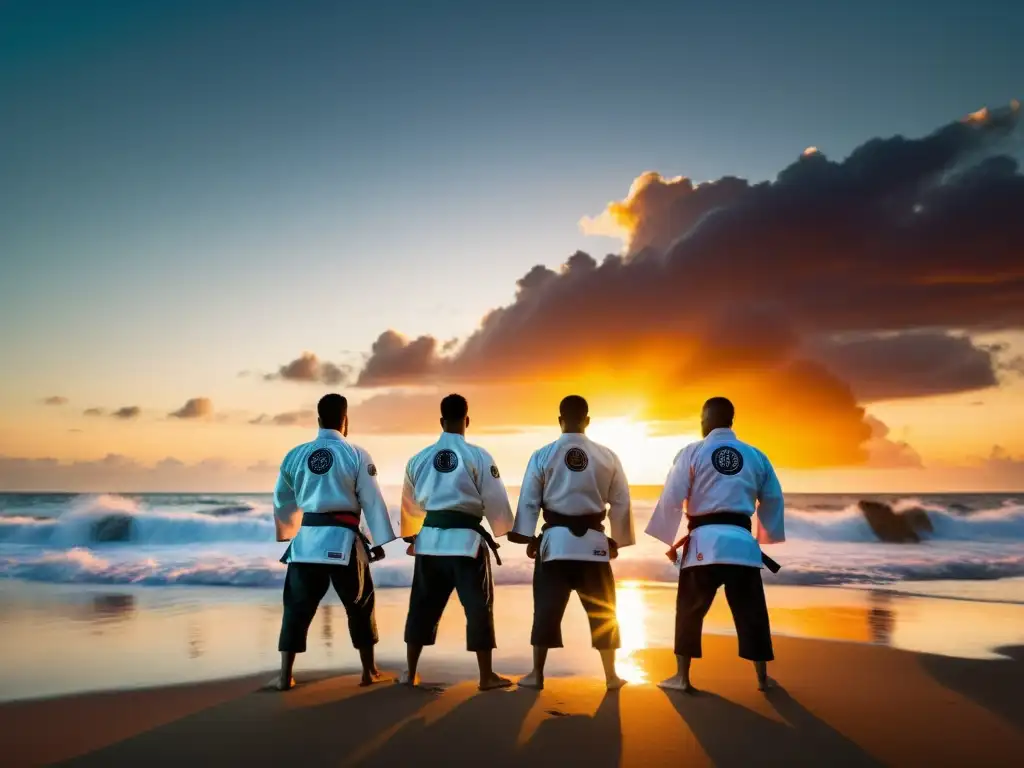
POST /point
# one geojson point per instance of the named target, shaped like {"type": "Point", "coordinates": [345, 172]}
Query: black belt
{"type": "Point", "coordinates": [448, 519]}
{"type": "Point", "coordinates": [578, 524]}
{"type": "Point", "coordinates": [739, 519]}
{"type": "Point", "coordinates": [343, 519]}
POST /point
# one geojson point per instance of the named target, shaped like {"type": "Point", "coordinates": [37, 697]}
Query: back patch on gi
{"type": "Point", "coordinates": [446, 461]}
{"type": "Point", "coordinates": [494, 471]}
{"type": "Point", "coordinates": [727, 460]}
{"type": "Point", "coordinates": [336, 555]}
{"type": "Point", "coordinates": [371, 470]}
{"type": "Point", "coordinates": [576, 459]}
{"type": "Point", "coordinates": [320, 461]}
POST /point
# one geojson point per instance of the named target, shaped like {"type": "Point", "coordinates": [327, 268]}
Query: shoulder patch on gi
{"type": "Point", "coordinates": [727, 460]}
{"type": "Point", "coordinates": [446, 461]}
{"type": "Point", "coordinates": [576, 459]}
{"type": "Point", "coordinates": [320, 461]}
{"type": "Point", "coordinates": [371, 470]}
{"type": "Point", "coordinates": [494, 471]}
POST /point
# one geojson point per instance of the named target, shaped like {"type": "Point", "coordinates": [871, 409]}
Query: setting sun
{"type": "Point", "coordinates": [645, 457]}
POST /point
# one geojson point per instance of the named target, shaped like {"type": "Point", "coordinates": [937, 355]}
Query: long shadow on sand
{"type": "Point", "coordinates": [309, 726]}
{"type": "Point", "coordinates": [733, 735]}
{"type": "Point", "coordinates": [595, 741]}
{"type": "Point", "coordinates": [485, 729]}
{"type": "Point", "coordinates": [994, 684]}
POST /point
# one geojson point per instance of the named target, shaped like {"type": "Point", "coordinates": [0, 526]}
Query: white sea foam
{"type": "Point", "coordinates": [230, 541]}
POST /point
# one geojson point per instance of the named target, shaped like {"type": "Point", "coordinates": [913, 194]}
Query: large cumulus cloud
{"type": "Point", "coordinates": [838, 283]}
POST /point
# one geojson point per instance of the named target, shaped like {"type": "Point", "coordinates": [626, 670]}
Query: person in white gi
{"type": "Point", "coordinates": [576, 483]}
{"type": "Point", "coordinates": [723, 482]}
{"type": "Point", "coordinates": [333, 484]}
{"type": "Point", "coordinates": [450, 487]}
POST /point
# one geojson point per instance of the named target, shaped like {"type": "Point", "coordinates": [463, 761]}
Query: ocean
{"type": "Point", "coordinates": [227, 540]}
{"type": "Point", "coordinates": [102, 591]}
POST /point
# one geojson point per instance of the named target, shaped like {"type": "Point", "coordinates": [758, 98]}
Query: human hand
{"type": "Point", "coordinates": [531, 549]}
{"type": "Point", "coordinates": [377, 553]}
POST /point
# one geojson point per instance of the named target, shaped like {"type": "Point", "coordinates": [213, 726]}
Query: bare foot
{"type": "Point", "coordinates": [370, 676]}
{"type": "Point", "coordinates": [767, 684]}
{"type": "Point", "coordinates": [532, 680]}
{"type": "Point", "coordinates": [494, 681]}
{"type": "Point", "coordinates": [677, 683]}
{"type": "Point", "coordinates": [282, 684]}
{"type": "Point", "coordinates": [614, 683]}
{"type": "Point", "coordinates": [406, 679]}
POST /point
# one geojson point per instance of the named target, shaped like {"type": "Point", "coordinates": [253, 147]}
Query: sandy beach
{"type": "Point", "coordinates": [839, 704]}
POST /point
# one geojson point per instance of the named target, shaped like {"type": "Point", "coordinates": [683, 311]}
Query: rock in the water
{"type": "Point", "coordinates": [240, 509]}
{"type": "Point", "coordinates": [113, 528]}
{"type": "Point", "coordinates": [893, 527]}
{"type": "Point", "coordinates": [918, 519]}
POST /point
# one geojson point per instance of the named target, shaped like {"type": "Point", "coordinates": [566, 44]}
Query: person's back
{"type": "Point", "coordinates": [576, 484]}
{"type": "Point", "coordinates": [450, 488]}
{"type": "Point", "coordinates": [326, 494]}
{"type": "Point", "coordinates": [722, 474]}
{"type": "Point", "coordinates": [722, 482]}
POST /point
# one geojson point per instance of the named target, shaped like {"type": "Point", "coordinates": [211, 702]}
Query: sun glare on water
{"type": "Point", "coordinates": [632, 615]}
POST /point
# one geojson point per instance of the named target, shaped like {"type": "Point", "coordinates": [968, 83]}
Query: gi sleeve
{"type": "Point", "coordinates": [285, 506]}
{"type": "Point", "coordinates": [412, 513]}
{"type": "Point", "coordinates": [771, 505]}
{"type": "Point", "coordinates": [531, 496]}
{"type": "Point", "coordinates": [375, 509]}
{"type": "Point", "coordinates": [620, 509]}
{"type": "Point", "coordinates": [668, 513]}
{"type": "Point", "coordinates": [497, 509]}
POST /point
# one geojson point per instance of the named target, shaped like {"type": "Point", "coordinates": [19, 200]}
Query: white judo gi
{"type": "Point", "coordinates": [577, 484]}
{"type": "Point", "coordinates": [328, 502]}
{"type": "Point", "coordinates": [450, 488]}
{"type": "Point", "coordinates": [724, 480]}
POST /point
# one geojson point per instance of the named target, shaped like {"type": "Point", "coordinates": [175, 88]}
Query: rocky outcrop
{"type": "Point", "coordinates": [895, 527]}
{"type": "Point", "coordinates": [112, 528]}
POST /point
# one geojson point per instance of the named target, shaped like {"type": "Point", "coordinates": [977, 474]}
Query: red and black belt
{"type": "Point", "coordinates": [739, 519]}
{"type": "Point", "coordinates": [342, 519]}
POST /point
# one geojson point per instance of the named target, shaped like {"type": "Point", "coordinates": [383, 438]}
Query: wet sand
{"type": "Point", "coordinates": [840, 703]}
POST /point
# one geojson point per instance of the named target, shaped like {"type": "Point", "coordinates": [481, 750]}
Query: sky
{"type": "Point", "coordinates": [212, 213]}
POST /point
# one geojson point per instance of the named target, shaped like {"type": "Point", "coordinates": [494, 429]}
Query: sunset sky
{"type": "Point", "coordinates": [213, 213]}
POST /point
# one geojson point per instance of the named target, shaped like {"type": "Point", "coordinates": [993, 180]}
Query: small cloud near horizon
{"type": "Point", "coordinates": [127, 412]}
{"type": "Point", "coordinates": [304, 418]}
{"type": "Point", "coordinates": [55, 400]}
{"type": "Point", "coordinates": [310, 369]}
{"type": "Point", "coordinates": [194, 408]}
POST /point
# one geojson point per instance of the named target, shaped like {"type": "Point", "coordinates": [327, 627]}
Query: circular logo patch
{"type": "Point", "coordinates": [371, 470]}
{"type": "Point", "coordinates": [446, 461]}
{"type": "Point", "coordinates": [494, 472]}
{"type": "Point", "coordinates": [576, 459]}
{"type": "Point", "coordinates": [727, 460]}
{"type": "Point", "coordinates": [320, 461]}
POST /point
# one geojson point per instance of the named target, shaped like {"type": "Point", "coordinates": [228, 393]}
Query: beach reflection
{"type": "Point", "coordinates": [631, 609]}
{"type": "Point", "coordinates": [56, 640]}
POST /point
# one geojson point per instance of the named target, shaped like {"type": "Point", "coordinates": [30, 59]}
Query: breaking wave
{"type": "Point", "coordinates": [229, 541]}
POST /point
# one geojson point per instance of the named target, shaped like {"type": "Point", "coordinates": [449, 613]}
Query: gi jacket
{"type": "Point", "coordinates": [721, 473]}
{"type": "Point", "coordinates": [456, 476]}
{"type": "Point", "coordinates": [329, 474]}
{"type": "Point", "coordinates": [575, 476]}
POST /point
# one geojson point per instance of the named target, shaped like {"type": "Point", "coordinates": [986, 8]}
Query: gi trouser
{"type": "Point", "coordinates": [553, 583]}
{"type": "Point", "coordinates": [305, 585]}
{"type": "Point", "coordinates": [745, 594]}
{"type": "Point", "coordinates": [434, 578]}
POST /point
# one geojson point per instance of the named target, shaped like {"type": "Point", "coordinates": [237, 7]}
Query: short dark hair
{"type": "Point", "coordinates": [454, 408]}
{"type": "Point", "coordinates": [332, 410]}
{"type": "Point", "coordinates": [573, 409]}
{"type": "Point", "coordinates": [720, 411]}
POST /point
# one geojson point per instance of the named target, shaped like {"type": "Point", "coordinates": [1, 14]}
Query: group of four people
{"type": "Point", "coordinates": [328, 504]}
